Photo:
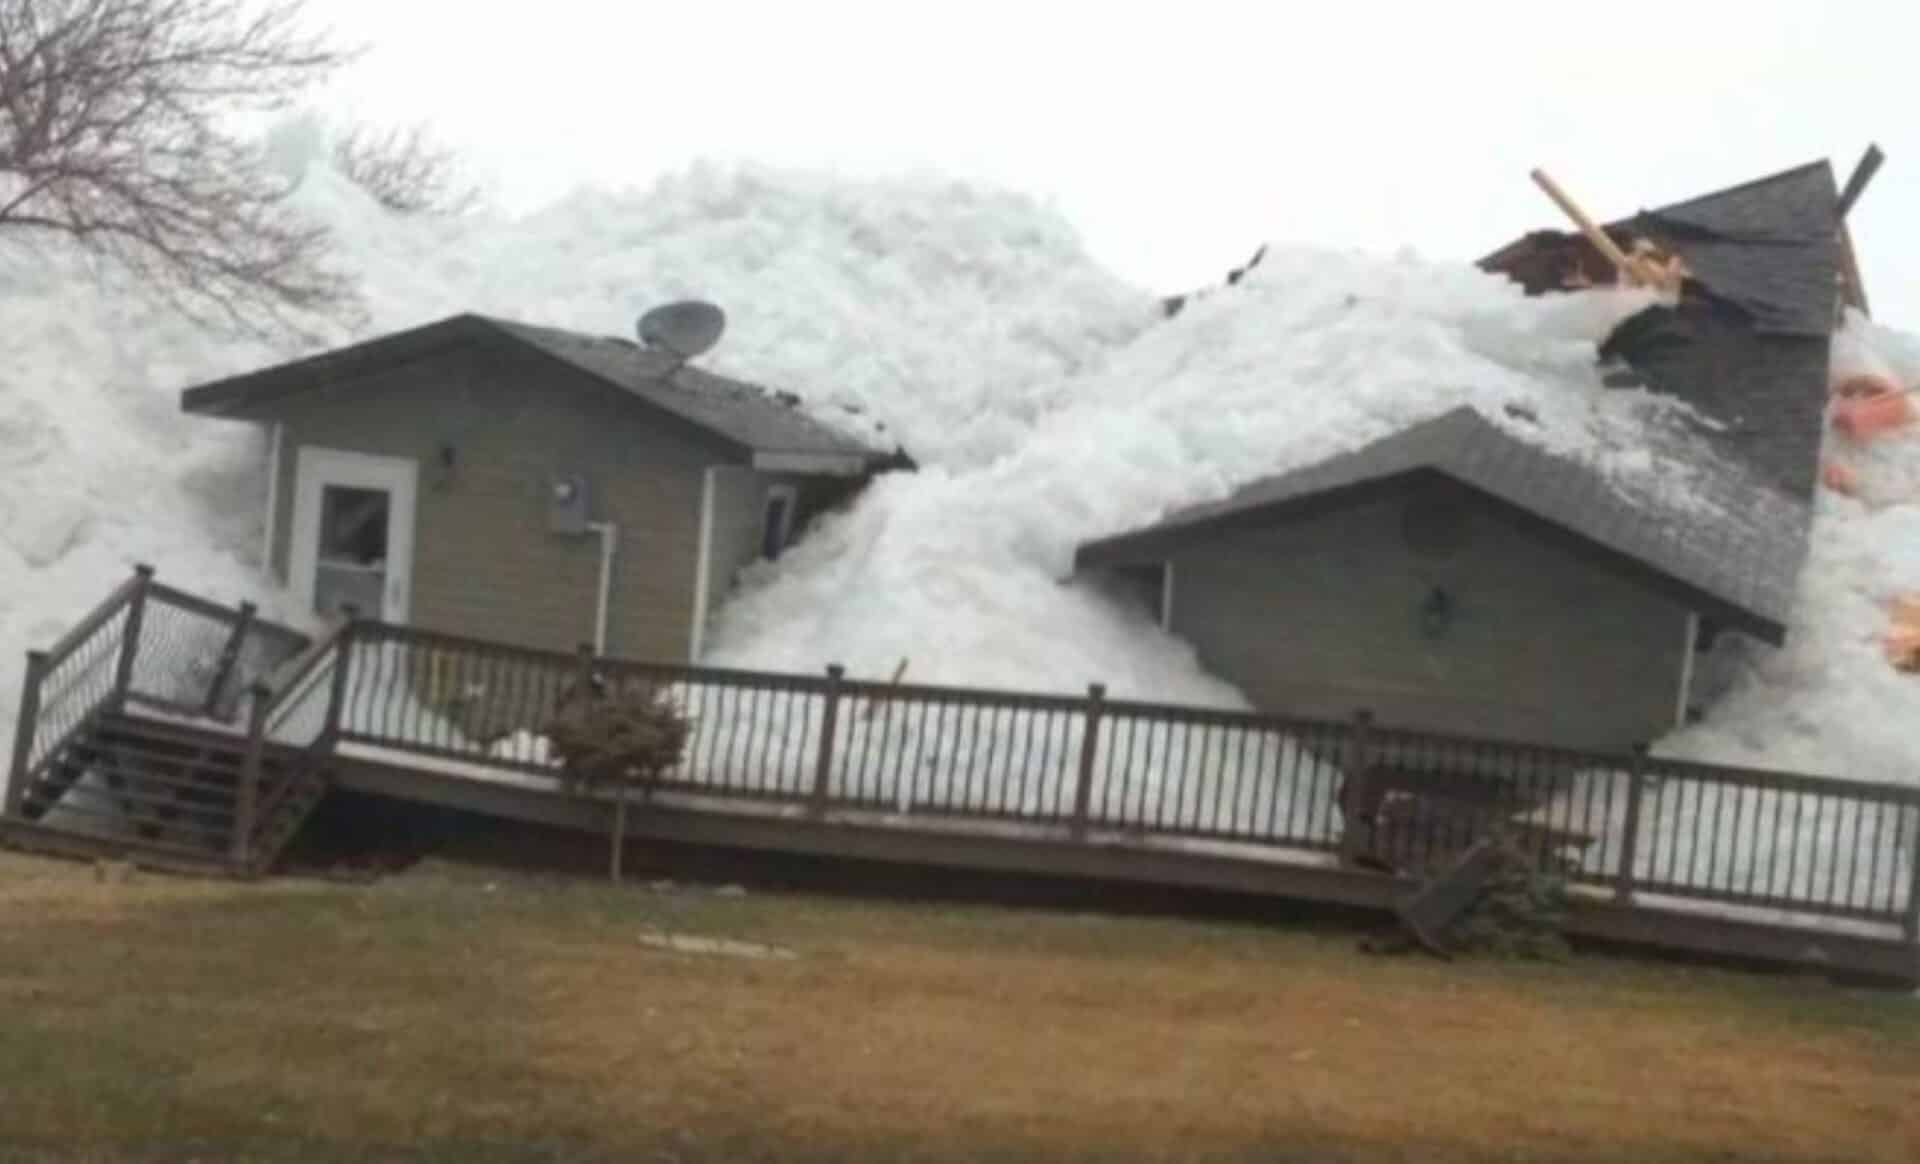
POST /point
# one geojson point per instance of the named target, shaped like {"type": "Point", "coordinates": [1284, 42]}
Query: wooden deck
{"type": "Point", "coordinates": [1010, 847]}
{"type": "Point", "coordinates": [202, 737]}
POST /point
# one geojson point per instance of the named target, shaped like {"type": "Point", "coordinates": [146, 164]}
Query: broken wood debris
{"type": "Point", "coordinates": [1644, 264]}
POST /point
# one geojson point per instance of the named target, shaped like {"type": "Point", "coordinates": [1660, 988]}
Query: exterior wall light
{"type": "Point", "coordinates": [444, 460]}
{"type": "Point", "coordinates": [1437, 612]}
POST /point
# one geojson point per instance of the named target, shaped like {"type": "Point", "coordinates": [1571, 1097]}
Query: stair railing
{"type": "Point", "coordinates": [69, 684]}
{"type": "Point", "coordinates": [272, 704]}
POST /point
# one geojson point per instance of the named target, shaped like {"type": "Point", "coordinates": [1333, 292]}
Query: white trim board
{"type": "Point", "coordinates": [703, 566]}
{"type": "Point", "coordinates": [314, 469]}
{"type": "Point", "coordinates": [1686, 670]}
{"type": "Point", "coordinates": [826, 464]}
{"type": "Point", "coordinates": [276, 436]}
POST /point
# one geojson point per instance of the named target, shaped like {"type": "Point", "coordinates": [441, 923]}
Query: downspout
{"type": "Point", "coordinates": [276, 435]}
{"type": "Point", "coordinates": [609, 544]}
{"type": "Point", "coordinates": [1166, 596]}
{"type": "Point", "coordinates": [703, 566]}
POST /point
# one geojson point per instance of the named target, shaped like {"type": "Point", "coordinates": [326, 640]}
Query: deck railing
{"type": "Point", "coordinates": [67, 685]}
{"type": "Point", "coordinates": [1622, 825]}
{"type": "Point", "coordinates": [150, 646]}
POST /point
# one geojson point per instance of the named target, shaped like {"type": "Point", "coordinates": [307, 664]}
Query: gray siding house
{"type": "Point", "coordinates": [1456, 576]}
{"type": "Point", "coordinates": [531, 485]}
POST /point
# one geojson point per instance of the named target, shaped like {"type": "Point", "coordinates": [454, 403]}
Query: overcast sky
{"type": "Point", "coordinates": [1177, 136]}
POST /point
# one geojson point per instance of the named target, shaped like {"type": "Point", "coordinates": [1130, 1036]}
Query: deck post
{"type": "Point", "coordinates": [247, 796]}
{"type": "Point", "coordinates": [583, 660]}
{"type": "Point", "coordinates": [829, 724]}
{"type": "Point", "coordinates": [23, 731]}
{"type": "Point", "coordinates": [229, 655]}
{"type": "Point", "coordinates": [1630, 839]}
{"type": "Point", "coordinates": [1910, 923]}
{"type": "Point", "coordinates": [130, 634]}
{"type": "Point", "coordinates": [1089, 747]}
{"type": "Point", "coordinates": [337, 685]}
{"type": "Point", "coordinates": [1356, 827]}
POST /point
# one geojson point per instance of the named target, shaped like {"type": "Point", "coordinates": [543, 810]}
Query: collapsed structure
{"type": "Point", "coordinates": [1458, 575]}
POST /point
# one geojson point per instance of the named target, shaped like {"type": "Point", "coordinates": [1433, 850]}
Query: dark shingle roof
{"type": "Point", "coordinates": [1724, 542]}
{"type": "Point", "coordinates": [1747, 346]}
{"type": "Point", "coordinates": [1767, 246]}
{"type": "Point", "coordinates": [743, 415]}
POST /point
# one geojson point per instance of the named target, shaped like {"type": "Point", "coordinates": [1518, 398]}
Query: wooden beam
{"type": "Point", "coordinates": [1863, 172]}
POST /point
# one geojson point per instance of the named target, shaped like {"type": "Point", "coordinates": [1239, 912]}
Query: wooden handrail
{"type": "Point", "coordinates": [24, 731]}
{"type": "Point", "coordinates": [289, 674]}
{"type": "Point", "coordinates": [98, 617]}
{"type": "Point", "coordinates": [246, 799]}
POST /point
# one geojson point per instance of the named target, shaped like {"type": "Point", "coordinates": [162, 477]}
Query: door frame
{"type": "Point", "coordinates": [314, 469]}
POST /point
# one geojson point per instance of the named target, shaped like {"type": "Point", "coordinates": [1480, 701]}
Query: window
{"type": "Point", "coordinates": [776, 521]}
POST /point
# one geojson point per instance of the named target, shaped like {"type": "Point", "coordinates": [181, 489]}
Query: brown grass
{"type": "Point", "coordinates": [462, 1015]}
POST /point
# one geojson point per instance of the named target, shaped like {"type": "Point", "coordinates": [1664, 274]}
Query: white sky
{"type": "Point", "coordinates": [1177, 136]}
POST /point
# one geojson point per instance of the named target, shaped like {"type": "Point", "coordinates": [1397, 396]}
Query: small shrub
{"type": "Point", "coordinates": [623, 735]}
{"type": "Point", "coordinates": [1520, 914]}
{"type": "Point", "coordinates": [614, 739]}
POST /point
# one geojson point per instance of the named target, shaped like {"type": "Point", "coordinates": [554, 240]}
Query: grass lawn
{"type": "Point", "coordinates": [466, 1015]}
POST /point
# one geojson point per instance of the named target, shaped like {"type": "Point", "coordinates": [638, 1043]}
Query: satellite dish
{"type": "Point", "coordinates": [686, 329]}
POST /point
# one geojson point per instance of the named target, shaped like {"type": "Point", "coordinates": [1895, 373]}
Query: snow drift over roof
{"type": "Point", "coordinates": [1045, 400]}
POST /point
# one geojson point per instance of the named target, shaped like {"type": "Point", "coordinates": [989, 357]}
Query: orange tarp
{"type": "Point", "coordinates": [1867, 405]}
{"type": "Point", "coordinates": [1902, 642]}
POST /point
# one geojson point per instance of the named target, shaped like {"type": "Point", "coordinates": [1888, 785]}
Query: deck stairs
{"type": "Point", "coordinates": [165, 794]}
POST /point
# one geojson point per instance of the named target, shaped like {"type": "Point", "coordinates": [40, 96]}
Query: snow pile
{"type": "Point", "coordinates": [1828, 702]}
{"type": "Point", "coordinates": [958, 568]}
{"type": "Point", "coordinates": [851, 293]}
{"type": "Point", "coordinates": [1046, 402]}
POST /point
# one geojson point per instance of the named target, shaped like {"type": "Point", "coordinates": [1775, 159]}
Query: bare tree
{"type": "Point", "coordinates": [404, 170]}
{"type": "Point", "coordinates": [115, 132]}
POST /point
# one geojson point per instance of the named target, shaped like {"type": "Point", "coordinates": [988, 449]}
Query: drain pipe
{"type": "Point", "coordinates": [609, 544]}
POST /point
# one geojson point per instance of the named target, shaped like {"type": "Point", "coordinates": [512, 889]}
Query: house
{"type": "Point", "coordinates": [526, 484]}
{"type": "Point", "coordinates": [1456, 576]}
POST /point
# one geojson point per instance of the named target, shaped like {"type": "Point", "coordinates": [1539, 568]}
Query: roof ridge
{"type": "Point", "coordinates": [1742, 187]}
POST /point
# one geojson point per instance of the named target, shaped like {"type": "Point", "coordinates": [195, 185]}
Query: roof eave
{"type": "Point", "coordinates": [251, 395]}
{"type": "Point", "coordinates": [1158, 542]}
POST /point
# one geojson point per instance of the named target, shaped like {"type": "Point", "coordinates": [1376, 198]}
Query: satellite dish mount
{"type": "Point", "coordinates": [684, 330]}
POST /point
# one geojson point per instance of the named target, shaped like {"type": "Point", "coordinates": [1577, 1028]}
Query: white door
{"type": "Point", "coordinates": [353, 532]}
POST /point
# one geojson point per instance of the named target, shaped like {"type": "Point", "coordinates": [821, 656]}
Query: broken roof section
{"type": "Point", "coordinates": [1746, 348]}
{"type": "Point", "coordinates": [746, 416]}
{"type": "Point", "coordinates": [1729, 548]}
{"type": "Point", "coordinates": [1747, 344]}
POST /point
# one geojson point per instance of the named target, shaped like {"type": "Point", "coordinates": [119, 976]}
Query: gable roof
{"type": "Point", "coordinates": [1769, 247]}
{"type": "Point", "coordinates": [1747, 345]}
{"type": "Point", "coordinates": [745, 416]}
{"type": "Point", "coordinates": [1727, 546]}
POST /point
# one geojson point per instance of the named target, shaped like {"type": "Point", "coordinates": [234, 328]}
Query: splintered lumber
{"type": "Point", "coordinates": [1648, 266]}
{"type": "Point", "coordinates": [1595, 235]}
{"type": "Point", "coordinates": [1869, 165]}
{"type": "Point", "coordinates": [874, 702]}
{"type": "Point", "coordinates": [1428, 913]}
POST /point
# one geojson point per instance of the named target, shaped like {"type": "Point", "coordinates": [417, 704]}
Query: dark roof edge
{"type": "Point", "coordinates": [1494, 257]}
{"type": "Point", "coordinates": [227, 395]}
{"type": "Point", "coordinates": [1156, 542]}
{"type": "Point", "coordinates": [1740, 187]}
